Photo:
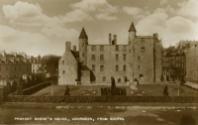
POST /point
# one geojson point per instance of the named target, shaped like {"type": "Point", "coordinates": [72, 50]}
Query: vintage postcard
{"type": "Point", "coordinates": [111, 62]}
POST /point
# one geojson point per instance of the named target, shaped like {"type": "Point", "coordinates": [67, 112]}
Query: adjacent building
{"type": "Point", "coordinates": [173, 64]}
{"type": "Point", "coordinates": [36, 65]}
{"type": "Point", "coordinates": [139, 59]}
{"type": "Point", "coordinates": [68, 67]}
{"type": "Point", "coordinates": [191, 64]}
{"type": "Point", "coordinates": [13, 67]}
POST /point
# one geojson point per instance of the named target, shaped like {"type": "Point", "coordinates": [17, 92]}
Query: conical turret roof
{"type": "Point", "coordinates": [132, 27]}
{"type": "Point", "coordinates": [83, 34]}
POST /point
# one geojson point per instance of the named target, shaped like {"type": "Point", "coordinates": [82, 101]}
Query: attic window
{"type": "Point", "coordinates": [101, 48]}
{"type": "Point", "coordinates": [93, 48]}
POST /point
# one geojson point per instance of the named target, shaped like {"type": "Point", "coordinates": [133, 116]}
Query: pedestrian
{"type": "Point", "coordinates": [67, 91]}
{"type": "Point", "coordinates": [165, 92]}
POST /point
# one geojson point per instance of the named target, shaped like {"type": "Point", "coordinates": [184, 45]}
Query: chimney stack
{"type": "Point", "coordinates": [110, 39]}
{"type": "Point", "coordinates": [114, 39]}
{"type": "Point", "coordinates": [67, 46]}
{"type": "Point", "coordinates": [155, 35]}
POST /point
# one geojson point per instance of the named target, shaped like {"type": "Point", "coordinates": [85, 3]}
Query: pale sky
{"type": "Point", "coordinates": [42, 26]}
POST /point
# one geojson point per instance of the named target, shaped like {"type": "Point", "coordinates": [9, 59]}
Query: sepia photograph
{"type": "Point", "coordinates": [98, 62]}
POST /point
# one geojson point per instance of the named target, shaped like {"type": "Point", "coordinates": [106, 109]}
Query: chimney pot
{"type": "Point", "coordinates": [110, 39]}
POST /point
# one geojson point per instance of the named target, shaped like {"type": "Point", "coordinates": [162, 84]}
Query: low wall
{"type": "Point", "coordinates": [36, 88]}
{"type": "Point", "coordinates": [91, 99]}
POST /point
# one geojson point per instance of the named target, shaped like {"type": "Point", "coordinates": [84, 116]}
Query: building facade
{"type": "Point", "coordinates": [36, 65]}
{"type": "Point", "coordinates": [139, 59]}
{"type": "Point", "coordinates": [191, 64]}
{"type": "Point", "coordinates": [173, 64]}
{"type": "Point", "coordinates": [13, 67]}
{"type": "Point", "coordinates": [68, 67]}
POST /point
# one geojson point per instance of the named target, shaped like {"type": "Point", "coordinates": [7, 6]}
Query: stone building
{"type": "Point", "coordinates": [36, 65]}
{"type": "Point", "coordinates": [13, 67]}
{"type": "Point", "coordinates": [68, 67]}
{"type": "Point", "coordinates": [191, 64]}
{"type": "Point", "coordinates": [173, 64]}
{"type": "Point", "coordinates": [139, 59]}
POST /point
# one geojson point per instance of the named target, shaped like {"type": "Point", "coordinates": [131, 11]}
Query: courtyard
{"type": "Point", "coordinates": [142, 90]}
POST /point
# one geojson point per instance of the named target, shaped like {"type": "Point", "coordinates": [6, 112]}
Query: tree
{"type": "Point", "coordinates": [113, 86]}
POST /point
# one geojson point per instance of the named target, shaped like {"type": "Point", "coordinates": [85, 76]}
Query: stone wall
{"type": "Point", "coordinates": [68, 67]}
{"type": "Point", "coordinates": [105, 62]}
{"type": "Point", "coordinates": [191, 64]}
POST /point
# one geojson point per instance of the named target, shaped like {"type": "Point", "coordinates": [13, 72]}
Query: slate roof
{"type": "Point", "coordinates": [132, 27]}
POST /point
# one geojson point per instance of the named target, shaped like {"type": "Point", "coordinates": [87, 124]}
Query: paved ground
{"type": "Point", "coordinates": [98, 114]}
{"type": "Point", "coordinates": [146, 90]}
{"type": "Point", "coordinates": [74, 90]}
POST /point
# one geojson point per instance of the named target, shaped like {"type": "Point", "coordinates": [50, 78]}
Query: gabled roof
{"type": "Point", "coordinates": [132, 27]}
{"type": "Point", "coordinates": [83, 34]}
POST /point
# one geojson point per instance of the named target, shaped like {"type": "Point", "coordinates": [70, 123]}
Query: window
{"type": "Point", "coordinates": [63, 71]}
{"type": "Point", "coordinates": [93, 67]}
{"type": "Point", "coordinates": [103, 78]}
{"type": "Point", "coordinates": [119, 80]}
{"type": "Point", "coordinates": [101, 48]}
{"type": "Point", "coordinates": [93, 48]}
{"type": "Point", "coordinates": [142, 49]}
{"type": "Point", "coordinates": [124, 57]}
{"type": "Point", "coordinates": [101, 68]}
{"type": "Point", "coordinates": [125, 79]}
{"type": "Point", "coordinates": [138, 67]}
{"type": "Point", "coordinates": [124, 48]}
{"type": "Point", "coordinates": [117, 48]}
{"type": "Point", "coordinates": [124, 68]}
{"type": "Point", "coordinates": [138, 58]}
{"type": "Point", "coordinates": [117, 67]}
{"type": "Point", "coordinates": [93, 57]}
{"type": "Point", "coordinates": [101, 57]}
{"type": "Point", "coordinates": [117, 57]}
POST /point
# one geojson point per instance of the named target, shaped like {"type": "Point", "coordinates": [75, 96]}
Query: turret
{"type": "Point", "coordinates": [83, 42]}
{"type": "Point", "coordinates": [132, 32]}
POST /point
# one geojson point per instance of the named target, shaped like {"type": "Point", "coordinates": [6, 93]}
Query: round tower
{"type": "Point", "coordinates": [83, 42]}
